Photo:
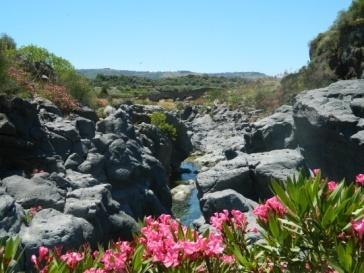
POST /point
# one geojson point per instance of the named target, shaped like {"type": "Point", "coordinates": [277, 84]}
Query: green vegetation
{"type": "Point", "coordinates": [92, 74]}
{"type": "Point", "coordinates": [159, 119]}
{"type": "Point", "coordinates": [335, 54]}
{"type": "Point", "coordinates": [311, 225]}
{"type": "Point", "coordinates": [196, 88]}
{"type": "Point", "coordinates": [10, 255]}
{"type": "Point", "coordinates": [34, 71]}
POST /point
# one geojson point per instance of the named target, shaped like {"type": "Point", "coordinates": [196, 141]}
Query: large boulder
{"type": "Point", "coordinates": [275, 165]}
{"type": "Point", "coordinates": [233, 174]}
{"type": "Point", "coordinates": [251, 174]}
{"type": "Point", "coordinates": [34, 192]}
{"type": "Point", "coordinates": [96, 205]}
{"type": "Point", "coordinates": [271, 133]}
{"type": "Point", "coordinates": [225, 199]}
{"type": "Point", "coordinates": [51, 228]}
{"type": "Point", "coordinates": [328, 125]}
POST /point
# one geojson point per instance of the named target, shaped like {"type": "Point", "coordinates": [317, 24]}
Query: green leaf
{"type": "Point", "coordinates": [345, 258]}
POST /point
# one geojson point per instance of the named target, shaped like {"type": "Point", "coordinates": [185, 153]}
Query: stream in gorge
{"type": "Point", "coordinates": [185, 204]}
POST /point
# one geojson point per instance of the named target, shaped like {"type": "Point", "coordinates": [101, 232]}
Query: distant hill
{"type": "Point", "coordinates": [92, 73]}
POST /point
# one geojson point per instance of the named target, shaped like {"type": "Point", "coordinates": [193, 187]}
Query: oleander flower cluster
{"type": "Point", "coordinates": [311, 224]}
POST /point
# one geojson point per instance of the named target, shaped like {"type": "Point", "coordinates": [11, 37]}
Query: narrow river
{"type": "Point", "coordinates": [187, 209]}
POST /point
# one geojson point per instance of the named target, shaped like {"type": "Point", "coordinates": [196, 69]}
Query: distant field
{"type": "Point", "coordinates": [92, 73]}
{"type": "Point", "coordinates": [200, 89]}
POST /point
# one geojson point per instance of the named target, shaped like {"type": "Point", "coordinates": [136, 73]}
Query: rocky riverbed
{"type": "Point", "coordinates": [92, 179]}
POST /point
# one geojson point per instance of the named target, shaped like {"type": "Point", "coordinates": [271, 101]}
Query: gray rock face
{"type": "Point", "coordinates": [250, 174]}
{"type": "Point", "coordinates": [73, 161]}
{"type": "Point", "coordinates": [85, 127]}
{"type": "Point", "coordinates": [272, 133]}
{"type": "Point", "coordinates": [34, 192]}
{"type": "Point", "coordinates": [11, 215]}
{"type": "Point", "coordinates": [216, 132]}
{"type": "Point", "coordinates": [94, 164]}
{"type": "Point", "coordinates": [52, 228]}
{"type": "Point", "coordinates": [159, 144]}
{"type": "Point", "coordinates": [328, 125]}
{"type": "Point", "coordinates": [62, 164]}
{"type": "Point", "coordinates": [90, 203]}
{"type": "Point", "coordinates": [225, 199]}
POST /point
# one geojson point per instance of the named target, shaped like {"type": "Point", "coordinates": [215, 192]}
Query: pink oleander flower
{"type": "Point", "coordinates": [331, 186]}
{"type": "Point", "coordinates": [239, 219]}
{"type": "Point", "coordinates": [94, 270]}
{"type": "Point", "coordinates": [33, 210]}
{"type": "Point", "coordinates": [34, 261]}
{"type": "Point", "coordinates": [272, 205]}
{"type": "Point", "coordinates": [262, 212]}
{"type": "Point", "coordinates": [276, 206]}
{"type": "Point", "coordinates": [235, 217]}
{"type": "Point", "coordinates": [43, 253]}
{"type": "Point", "coordinates": [218, 219]}
{"type": "Point", "coordinates": [359, 179]}
{"type": "Point", "coordinates": [227, 259]}
{"type": "Point", "coordinates": [167, 243]}
{"type": "Point", "coordinates": [316, 171]}
{"type": "Point", "coordinates": [72, 259]}
{"type": "Point", "coordinates": [358, 227]}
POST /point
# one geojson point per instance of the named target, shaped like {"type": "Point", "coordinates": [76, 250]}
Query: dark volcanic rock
{"type": "Point", "coordinates": [11, 216]}
{"type": "Point", "coordinates": [62, 163]}
{"type": "Point", "coordinates": [226, 199]}
{"type": "Point", "coordinates": [271, 133]}
{"type": "Point", "coordinates": [52, 228]}
{"type": "Point", "coordinates": [34, 192]}
{"type": "Point", "coordinates": [328, 124]}
{"type": "Point", "coordinates": [250, 174]}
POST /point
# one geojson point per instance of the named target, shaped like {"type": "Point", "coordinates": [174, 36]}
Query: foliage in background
{"type": "Point", "coordinates": [34, 71]}
{"type": "Point", "coordinates": [159, 119]}
{"type": "Point", "coordinates": [335, 54]}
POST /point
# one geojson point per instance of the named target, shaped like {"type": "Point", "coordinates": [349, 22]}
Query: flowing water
{"type": "Point", "coordinates": [188, 210]}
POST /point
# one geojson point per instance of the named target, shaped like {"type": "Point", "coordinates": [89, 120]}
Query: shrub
{"type": "Point", "coordinates": [79, 87]}
{"type": "Point", "coordinates": [35, 54]}
{"type": "Point", "coordinates": [311, 225]}
{"type": "Point", "coordinates": [7, 43]}
{"type": "Point", "coordinates": [159, 119]}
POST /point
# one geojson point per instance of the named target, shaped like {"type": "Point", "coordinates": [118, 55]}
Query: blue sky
{"type": "Point", "coordinates": [269, 36]}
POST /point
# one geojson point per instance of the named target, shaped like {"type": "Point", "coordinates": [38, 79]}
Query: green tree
{"type": "Point", "coordinates": [34, 54]}
{"type": "Point", "coordinates": [6, 42]}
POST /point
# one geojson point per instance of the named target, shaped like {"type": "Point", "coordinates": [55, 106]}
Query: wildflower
{"type": "Point", "coordinates": [331, 186]}
{"type": "Point", "coordinates": [33, 210]}
{"type": "Point", "coordinates": [227, 259]}
{"type": "Point", "coordinates": [239, 219]}
{"type": "Point", "coordinates": [359, 179]}
{"type": "Point", "coordinates": [316, 172]}
{"type": "Point", "coordinates": [72, 259]}
{"type": "Point", "coordinates": [262, 212]}
{"type": "Point", "coordinates": [219, 218]}
{"type": "Point", "coordinates": [43, 253]}
{"type": "Point", "coordinates": [272, 205]}
{"type": "Point", "coordinates": [34, 261]}
{"type": "Point", "coordinates": [94, 270]}
{"type": "Point", "coordinates": [358, 227]}
{"type": "Point", "coordinates": [276, 206]}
